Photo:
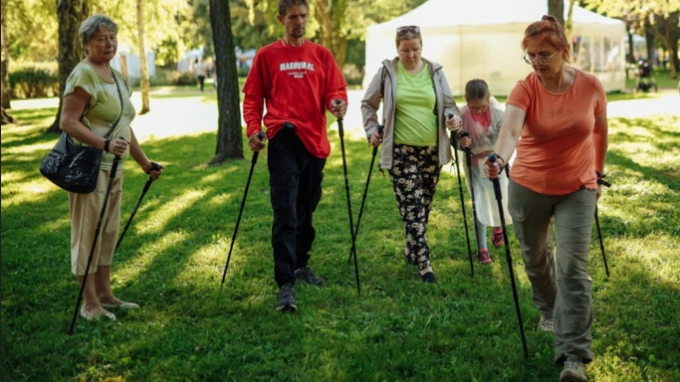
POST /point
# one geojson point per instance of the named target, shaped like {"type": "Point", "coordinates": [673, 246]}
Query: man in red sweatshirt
{"type": "Point", "coordinates": [299, 80]}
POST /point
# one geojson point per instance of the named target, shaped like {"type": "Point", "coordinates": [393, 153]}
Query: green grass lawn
{"type": "Point", "coordinates": [398, 329]}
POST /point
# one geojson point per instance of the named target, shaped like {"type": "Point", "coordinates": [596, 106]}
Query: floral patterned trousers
{"type": "Point", "coordinates": [415, 173]}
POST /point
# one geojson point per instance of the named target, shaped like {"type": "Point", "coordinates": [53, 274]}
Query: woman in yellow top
{"type": "Point", "coordinates": [91, 107]}
{"type": "Point", "coordinates": [416, 102]}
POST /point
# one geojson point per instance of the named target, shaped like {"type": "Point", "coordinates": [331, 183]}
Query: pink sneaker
{"type": "Point", "coordinates": [483, 256]}
{"type": "Point", "coordinates": [497, 237]}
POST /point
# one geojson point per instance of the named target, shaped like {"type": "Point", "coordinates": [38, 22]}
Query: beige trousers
{"type": "Point", "coordinates": [561, 286]}
{"type": "Point", "coordinates": [85, 210]}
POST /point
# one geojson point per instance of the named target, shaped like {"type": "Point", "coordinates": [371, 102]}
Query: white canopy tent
{"type": "Point", "coordinates": [481, 39]}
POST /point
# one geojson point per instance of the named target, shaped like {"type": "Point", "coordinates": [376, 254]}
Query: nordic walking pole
{"type": "Point", "coordinates": [243, 204]}
{"type": "Point", "coordinates": [499, 199]}
{"type": "Point", "coordinates": [468, 159]}
{"type": "Point", "coordinates": [454, 143]}
{"type": "Point", "coordinates": [599, 234]}
{"type": "Point", "coordinates": [154, 167]}
{"type": "Point", "coordinates": [112, 175]}
{"type": "Point", "coordinates": [353, 251]}
{"type": "Point", "coordinates": [341, 131]}
{"type": "Point", "coordinates": [599, 231]}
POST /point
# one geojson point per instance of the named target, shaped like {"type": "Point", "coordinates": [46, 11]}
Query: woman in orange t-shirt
{"type": "Point", "coordinates": [560, 114]}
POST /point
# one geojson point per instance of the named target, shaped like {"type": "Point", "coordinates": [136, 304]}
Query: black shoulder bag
{"type": "Point", "coordinates": [72, 167]}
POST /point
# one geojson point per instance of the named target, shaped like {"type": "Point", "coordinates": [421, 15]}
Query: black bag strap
{"type": "Point", "coordinates": [120, 98]}
{"type": "Point", "coordinates": [382, 81]}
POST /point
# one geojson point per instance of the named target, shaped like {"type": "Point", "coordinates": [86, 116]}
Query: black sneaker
{"type": "Point", "coordinates": [305, 274]}
{"type": "Point", "coordinates": [286, 299]}
{"type": "Point", "coordinates": [429, 278]}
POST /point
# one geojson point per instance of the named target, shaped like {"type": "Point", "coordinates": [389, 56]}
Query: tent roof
{"type": "Point", "coordinates": [445, 13]}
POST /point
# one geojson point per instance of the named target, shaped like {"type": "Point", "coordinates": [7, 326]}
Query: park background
{"type": "Point", "coordinates": [398, 329]}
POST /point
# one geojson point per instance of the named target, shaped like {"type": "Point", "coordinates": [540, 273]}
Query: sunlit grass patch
{"type": "Point", "coordinates": [191, 327]}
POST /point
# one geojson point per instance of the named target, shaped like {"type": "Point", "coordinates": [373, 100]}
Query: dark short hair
{"type": "Point", "coordinates": [547, 30]}
{"type": "Point", "coordinates": [284, 5]}
{"type": "Point", "coordinates": [476, 89]}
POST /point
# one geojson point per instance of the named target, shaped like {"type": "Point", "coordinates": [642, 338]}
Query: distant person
{"type": "Point", "coordinates": [560, 113]}
{"type": "Point", "coordinates": [213, 73]}
{"type": "Point", "coordinates": [91, 108]}
{"type": "Point", "coordinates": [297, 80]}
{"type": "Point", "coordinates": [416, 102]}
{"type": "Point", "coordinates": [482, 117]}
{"type": "Point", "coordinates": [201, 72]}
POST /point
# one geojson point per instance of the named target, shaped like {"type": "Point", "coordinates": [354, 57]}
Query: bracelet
{"type": "Point", "coordinates": [599, 174]}
{"type": "Point", "coordinates": [106, 145]}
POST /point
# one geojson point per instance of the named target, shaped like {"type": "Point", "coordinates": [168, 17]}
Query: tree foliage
{"type": "Point", "coordinates": [334, 22]}
{"type": "Point", "coordinates": [174, 27]}
{"type": "Point", "coordinates": [657, 17]}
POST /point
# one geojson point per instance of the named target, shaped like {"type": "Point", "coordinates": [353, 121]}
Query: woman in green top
{"type": "Point", "coordinates": [416, 102]}
{"type": "Point", "coordinates": [91, 110]}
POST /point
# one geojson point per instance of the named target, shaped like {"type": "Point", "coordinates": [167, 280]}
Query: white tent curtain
{"type": "Point", "coordinates": [483, 41]}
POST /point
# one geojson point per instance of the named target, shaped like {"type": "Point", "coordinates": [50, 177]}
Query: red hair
{"type": "Point", "coordinates": [548, 30]}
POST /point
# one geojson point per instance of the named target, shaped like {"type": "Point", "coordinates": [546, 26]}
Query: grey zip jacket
{"type": "Point", "coordinates": [371, 102]}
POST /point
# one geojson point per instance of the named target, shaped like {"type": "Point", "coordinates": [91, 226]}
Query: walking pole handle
{"type": "Point", "coordinates": [338, 102]}
{"type": "Point", "coordinates": [380, 131]}
{"type": "Point", "coordinates": [261, 137]}
{"type": "Point", "coordinates": [454, 138]}
{"type": "Point", "coordinates": [492, 158]}
{"type": "Point", "coordinates": [154, 167]}
{"type": "Point", "coordinates": [496, 184]}
{"type": "Point", "coordinates": [453, 134]}
{"type": "Point", "coordinates": [468, 150]}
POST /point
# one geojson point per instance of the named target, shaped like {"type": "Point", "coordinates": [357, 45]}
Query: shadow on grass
{"type": "Point", "coordinates": [172, 259]}
{"type": "Point", "coordinates": [23, 134]}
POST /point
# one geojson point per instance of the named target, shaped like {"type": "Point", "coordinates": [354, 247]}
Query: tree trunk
{"type": "Point", "coordinates": [229, 135]}
{"type": "Point", "coordinates": [6, 118]}
{"type": "Point", "coordinates": [649, 36]}
{"type": "Point", "coordinates": [331, 18]}
{"type": "Point", "coordinates": [667, 31]}
{"type": "Point", "coordinates": [144, 80]}
{"type": "Point", "coordinates": [631, 48]}
{"type": "Point", "coordinates": [675, 62]}
{"type": "Point", "coordinates": [70, 14]}
{"type": "Point", "coordinates": [4, 69]}
{"type": "Point", "coordinates": [569, 23]}
{"type": "Point", "coordinates": [556, 9]}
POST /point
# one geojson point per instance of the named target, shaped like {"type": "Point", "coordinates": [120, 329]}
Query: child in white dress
{"type": "Point", "coordinates": [482, 117]}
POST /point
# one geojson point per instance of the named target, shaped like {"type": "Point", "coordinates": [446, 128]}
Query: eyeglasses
{"type": "Point", "coordinates": [541, 58]}
{"type": "Point", "coordinates": [410, 28]}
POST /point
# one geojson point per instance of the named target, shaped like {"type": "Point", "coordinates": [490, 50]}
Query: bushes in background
{"type": "Point", "coordinates": [168, 77]}
{"type": "Point", "coordinates": [33, 80]}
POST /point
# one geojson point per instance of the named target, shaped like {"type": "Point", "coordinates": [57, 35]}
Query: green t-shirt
{"type": "Point", "coordinates": [415, 122]}
{"type": "Point", "coordinates": [104, 106]}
